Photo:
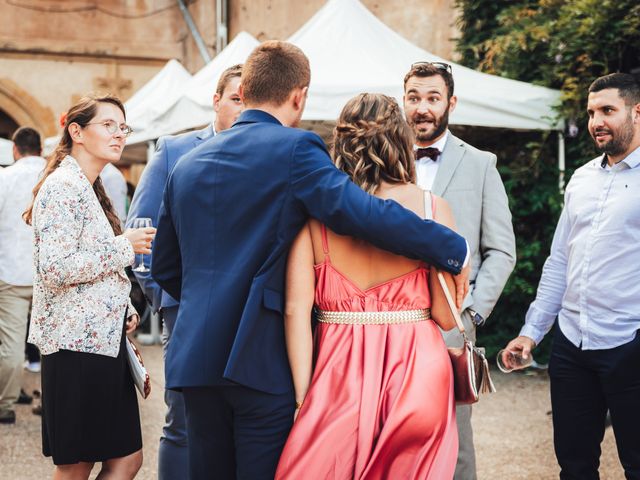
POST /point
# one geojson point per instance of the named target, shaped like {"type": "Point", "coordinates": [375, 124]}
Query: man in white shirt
{"type": "Point", "coordinates": [16, 263]}
{"type": "Point", "coordinates": [591, 282]}
{"type": "Point", "coordinates": [468, 180]}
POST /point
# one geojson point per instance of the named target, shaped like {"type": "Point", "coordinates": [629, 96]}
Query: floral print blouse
{"type": "Point", "coordinates": [80, 289]}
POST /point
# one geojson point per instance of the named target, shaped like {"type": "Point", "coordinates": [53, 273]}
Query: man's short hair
{"type": "Point", "coordinates": [272, 71]}
{"type": "Point", "coordinates": [227, 75]}
{"type": "Point", "coordinates": [627, 84]}
{"type": "Point", "coordinates": [27, 141]}
{"type": "Point", "coordinates": [426, 69]}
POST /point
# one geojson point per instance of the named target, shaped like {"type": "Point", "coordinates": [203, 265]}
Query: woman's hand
{"type": "Point", "coordinates": [140, 239]}
{"type": "Point", "coordinates": [132, 322]}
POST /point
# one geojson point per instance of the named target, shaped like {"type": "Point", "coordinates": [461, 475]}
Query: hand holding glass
{"type": "Point", "coordinates": [508, 360]}
{"type": "Point", "coordinates": [141, 223]}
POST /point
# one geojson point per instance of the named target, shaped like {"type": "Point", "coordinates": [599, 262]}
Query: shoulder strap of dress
{"type": "Point", "coordinates": [325, 241]}
{"type": "Point", "coordinates": [429, 205]}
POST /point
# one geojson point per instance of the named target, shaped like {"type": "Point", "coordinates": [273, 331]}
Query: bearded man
{"type": "Point", "coordinates": [591, 282]}
{"type": "Point", "coordinates": [468, 180]}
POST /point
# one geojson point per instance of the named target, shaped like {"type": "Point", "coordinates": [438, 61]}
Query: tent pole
{"type": "Point", "coordinates": [151, 148]}
{"type": "Point", "coordinates": [202, 48]}
{"type": "Point", "coordinates": [561, 162]}
{"type": "Point", "coordinates": [222, 31]}
{"type": "Point", "coordinates": [154, 337]}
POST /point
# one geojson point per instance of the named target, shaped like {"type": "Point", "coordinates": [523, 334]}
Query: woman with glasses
{"type": "Point", "coordinates": [374, 397]}
{"type": "Point", "coordinates": [81, 308]}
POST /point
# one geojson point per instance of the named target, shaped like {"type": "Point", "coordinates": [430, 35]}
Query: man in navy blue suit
{"type": "Point", "coordinates": [173, 453]}
{"type": "Point", "coordinates": [231, 210]}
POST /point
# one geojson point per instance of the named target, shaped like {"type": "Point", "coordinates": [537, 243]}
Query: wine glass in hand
{"type": "Point", "coordinates": [141, 223]}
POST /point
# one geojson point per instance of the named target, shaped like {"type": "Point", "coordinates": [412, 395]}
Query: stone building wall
{"type": "Point", "coordinates": [430, 24]}
{"type": "Point", "coordinates": [53, 51]}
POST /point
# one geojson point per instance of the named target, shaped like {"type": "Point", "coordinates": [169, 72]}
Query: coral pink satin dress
{"type": "Point", "coordinates": [380, 404]}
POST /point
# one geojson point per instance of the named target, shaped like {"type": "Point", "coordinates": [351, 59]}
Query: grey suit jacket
{"type": "Point", "coordinates": [469, 181]}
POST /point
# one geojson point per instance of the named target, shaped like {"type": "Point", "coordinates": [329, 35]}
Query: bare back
{"type": "Point", "coordinates": [364, 264]}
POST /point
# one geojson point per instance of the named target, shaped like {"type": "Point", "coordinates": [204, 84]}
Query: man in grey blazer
{"type": "Point", "coordinates": [172, 453]}
{"type": "Point", "coordinates": [468, 179]}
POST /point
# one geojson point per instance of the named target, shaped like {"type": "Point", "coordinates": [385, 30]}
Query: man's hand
{"type": "Point", "coordinates": [462, 285]}
{"type": "Point", "coordinates": [521, 345]}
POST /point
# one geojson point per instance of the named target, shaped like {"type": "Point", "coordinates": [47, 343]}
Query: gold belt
{"type": "Point", "coordinates": [373, 318]}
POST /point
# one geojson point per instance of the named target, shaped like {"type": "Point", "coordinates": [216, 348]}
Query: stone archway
{"type": "Point", "coordinates": [7, 125]}
{"type": "Point", "coordinates": [26, 110]}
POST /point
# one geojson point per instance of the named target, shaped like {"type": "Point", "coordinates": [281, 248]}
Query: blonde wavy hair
{"type": "Point", "coordinates": [372, 142]}
{"type": "Point", "coordinates": [81, 113]}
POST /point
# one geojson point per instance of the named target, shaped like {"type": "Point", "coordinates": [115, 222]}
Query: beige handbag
{"type": "Point", "coordinates": [470, 367]}
{"type": "Point", "coordinates": [139, 373]}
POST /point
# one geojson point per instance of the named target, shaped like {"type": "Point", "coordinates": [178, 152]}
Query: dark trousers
{"type": "Point", "coordinates": [173, 454]}
{"type": "Point", "coordinates": [584, 384]}
{"type": "Point", "coordinates": [235, 432]}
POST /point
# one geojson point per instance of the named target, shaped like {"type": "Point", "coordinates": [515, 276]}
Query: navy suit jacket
{"type": "Point", "coordinates": [148, 197]}
{"type": "Point", "coordinates": [231, 210]}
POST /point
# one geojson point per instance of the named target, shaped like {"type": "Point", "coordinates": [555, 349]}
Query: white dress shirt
{"type": "Point", "coordinates": [16, 237]}
{"type": "Point", "coordinates": [115, 186]}
{"type": "Point", "coordinates": [591, 279]}
{"type": "Point", "coordinates": [427, 169]}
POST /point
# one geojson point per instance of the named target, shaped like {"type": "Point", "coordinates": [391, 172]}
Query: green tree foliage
{"type": "Point", "coordinates": [562, 44]}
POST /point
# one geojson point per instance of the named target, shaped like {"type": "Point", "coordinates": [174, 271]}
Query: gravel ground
{"type": "Point", "coordinates": [512, 432]}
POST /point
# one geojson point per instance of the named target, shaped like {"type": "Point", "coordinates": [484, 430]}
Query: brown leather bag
{"type": "Point", "coordinates": [470, 367]}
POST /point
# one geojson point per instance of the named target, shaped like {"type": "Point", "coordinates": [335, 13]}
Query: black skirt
{"type": "Point", "coordinates": [89, 407]}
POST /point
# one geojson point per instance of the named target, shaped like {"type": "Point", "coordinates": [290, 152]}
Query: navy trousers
{"type": "Point", "coordinates": [584, 384]}
{"type": "Point", "coordinates": [235, 432]}
{"type": "Point", "coordinates": [172, 453]}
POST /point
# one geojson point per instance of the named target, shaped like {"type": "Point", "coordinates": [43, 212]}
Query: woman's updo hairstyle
{"type": "Point", "coordinates": [372, 142]}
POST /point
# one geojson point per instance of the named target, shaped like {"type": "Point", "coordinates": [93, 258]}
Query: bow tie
{"type": "Point", "coordinates": [430, 152]}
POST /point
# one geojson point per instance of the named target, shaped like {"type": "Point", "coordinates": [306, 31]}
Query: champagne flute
{"type": "Point", "coordinates": [141, 223]}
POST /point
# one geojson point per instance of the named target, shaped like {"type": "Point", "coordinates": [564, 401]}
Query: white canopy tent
{"type": "Point", "coordinates": [352, 51]}
{"type": "Point", "coordinates": [6, 152]}
{"type": "Point", "coordinates": [150, 101]}
{"type": "Point", "coordinates": [193, 105]}
{"type": "Point", "coordinates": [157, 95]}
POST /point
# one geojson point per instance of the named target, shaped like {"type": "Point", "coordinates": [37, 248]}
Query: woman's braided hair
{"type": "Point", "coordinates": [372, 142]}
{"type": "Point", "coordinates": [81, 113]}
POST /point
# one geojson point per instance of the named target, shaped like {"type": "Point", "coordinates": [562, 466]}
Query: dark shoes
{"type": "Point", "coordinates": [24, 398]}
{"type": "Point", "coordinates": [7, 416]}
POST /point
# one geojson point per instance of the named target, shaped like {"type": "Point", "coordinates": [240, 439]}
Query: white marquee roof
{"type": "Point", "coordinates": [352, 51]}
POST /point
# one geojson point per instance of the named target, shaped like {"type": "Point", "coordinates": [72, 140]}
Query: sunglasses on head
{"type": "Point", "coordinates": [439, 65]}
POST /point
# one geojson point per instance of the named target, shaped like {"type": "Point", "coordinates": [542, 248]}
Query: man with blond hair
{"type": "Point", "coordinates": [231, 210]}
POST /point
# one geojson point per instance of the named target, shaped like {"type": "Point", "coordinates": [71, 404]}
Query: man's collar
{"type": "Point", "coordinates": [207, 132]}
{"type": "Point", "coordinates": [31, 160]}
{"type": "Point", "coordinates": [440, 143]}
{"type": "Point", "coordinates": [632, 160]}
{"type": "Point", "coordinates": [254, 116]}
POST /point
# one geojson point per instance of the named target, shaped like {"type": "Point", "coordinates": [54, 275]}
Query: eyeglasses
{"type": "Point", "coordinates": [439, 65]}
{"type": "Point", "coordinates": [112, 127]}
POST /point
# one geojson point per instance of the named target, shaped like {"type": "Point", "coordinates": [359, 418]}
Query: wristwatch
{"type": "Point", "coordinates": [476, 318]}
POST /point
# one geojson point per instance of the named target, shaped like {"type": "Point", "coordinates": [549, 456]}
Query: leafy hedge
{"type": "Point", "coordinates": [562, 44]}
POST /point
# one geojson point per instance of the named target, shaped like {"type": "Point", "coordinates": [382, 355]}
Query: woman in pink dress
{"type": "Point", "coordinates": [374, 393]}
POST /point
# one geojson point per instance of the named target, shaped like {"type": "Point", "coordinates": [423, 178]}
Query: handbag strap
{"type": "Point", "coordinates": [452, 305]}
